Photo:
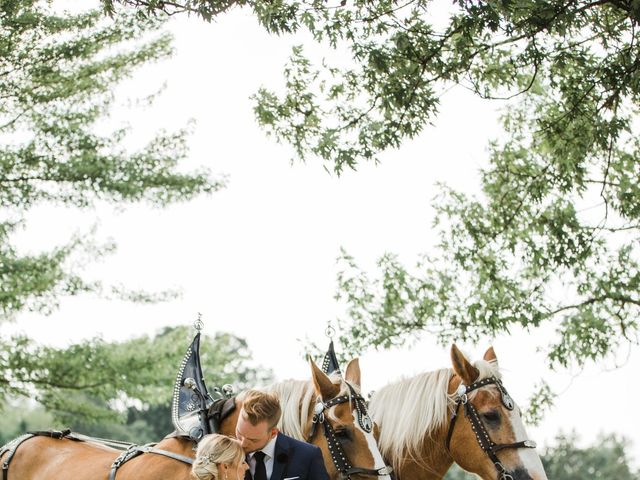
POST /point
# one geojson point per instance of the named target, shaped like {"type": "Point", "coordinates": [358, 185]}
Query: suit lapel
{"type": "Point", "coordinates": [281, 458]}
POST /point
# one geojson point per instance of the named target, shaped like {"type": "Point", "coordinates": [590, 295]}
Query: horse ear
{"type": "Point", "coordinates": [324, 386]}
{"type": "Point", "coordinates": [467, 372]}
{"type": "Point", "coordinates": [352, 373]}
{"type": "Point", "coordinates": [490, 355]}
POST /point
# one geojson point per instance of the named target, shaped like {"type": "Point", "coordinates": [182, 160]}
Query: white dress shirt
{"type": "Point", "coordinates": [269, 452]}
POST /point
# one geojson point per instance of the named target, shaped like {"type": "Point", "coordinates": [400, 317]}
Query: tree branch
{"type": "Point", "coordinates": [618, 299]}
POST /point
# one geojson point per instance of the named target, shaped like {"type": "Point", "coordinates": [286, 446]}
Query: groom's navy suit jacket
{"type": "Point", "coordinates": [296, 460]}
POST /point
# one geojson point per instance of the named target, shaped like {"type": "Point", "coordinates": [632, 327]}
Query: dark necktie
{"type": "Point", "coordinates": [261, 471]}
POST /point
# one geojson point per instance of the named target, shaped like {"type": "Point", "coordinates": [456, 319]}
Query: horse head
{"type": "Point", "coordinates": [339, 423]}
{"type": "Point", "coordinates": [328, 411]}
{"type": "Point", "coordinates": [486, 435]}
{"type": "Point", "coordinates": [462, 414]}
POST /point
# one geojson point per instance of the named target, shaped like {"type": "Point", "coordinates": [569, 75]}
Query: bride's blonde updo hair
{"type": "Point", "coordinates": [212, 450]}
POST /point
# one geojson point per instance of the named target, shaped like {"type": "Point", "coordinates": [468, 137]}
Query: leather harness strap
{"type": "Point", "coordinates": [11, 447]}
{"type": "Point", "coordinates": [52, 433]}
{"type": "Point", "coordinates": [135, 450]}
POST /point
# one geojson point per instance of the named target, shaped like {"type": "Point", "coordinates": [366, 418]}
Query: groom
{"type": "Point", "coordinates": [272, 455]}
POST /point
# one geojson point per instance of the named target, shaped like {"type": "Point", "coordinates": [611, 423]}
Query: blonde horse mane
{"type": "Point", "coordinates": [296, 398]}
{"type": "Point", "coordinates": [413, 408]}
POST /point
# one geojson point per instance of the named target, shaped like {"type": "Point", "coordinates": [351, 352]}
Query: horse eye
{"type": "Point", "coordinates": [342, 434]}
{"type": "Point", "coordinates": [492, 416]}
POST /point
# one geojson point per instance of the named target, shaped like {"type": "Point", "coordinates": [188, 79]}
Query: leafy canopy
{"type": "Point", "coordinates": [58, 71]}
{"type": "Point", "coordinates": [552, 239]}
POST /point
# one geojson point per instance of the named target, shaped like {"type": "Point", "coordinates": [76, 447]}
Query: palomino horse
{"type": "Point", "coordinates": [342, 415]}
{"type": "Point", "coordinates": [329, 412]}
{"type": "Point", "coordinates": [462, 415]}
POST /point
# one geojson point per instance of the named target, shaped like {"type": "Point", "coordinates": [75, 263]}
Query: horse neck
{"type": "Point", "coordinates": [435, 459]}
{"type": "Point", "coordinates": [413, 417]}
{"type": "Point", "coordinates": [431, 463]}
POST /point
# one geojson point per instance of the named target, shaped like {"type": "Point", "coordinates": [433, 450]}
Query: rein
{"type": "Point", "coordinates": [484, 440]}
{"type": "Point", "coordinates": [336, 450]}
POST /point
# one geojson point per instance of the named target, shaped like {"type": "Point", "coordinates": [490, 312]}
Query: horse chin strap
{"type": "Point", "coordinates": [338, 455]}
{"type": "Point", "coordinates": [484, 440]}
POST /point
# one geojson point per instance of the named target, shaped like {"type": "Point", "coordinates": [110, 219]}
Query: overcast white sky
{"type": "Point", "coordinates": [258, 258]}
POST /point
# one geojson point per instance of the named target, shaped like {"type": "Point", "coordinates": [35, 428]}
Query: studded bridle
{"type": "Point", "coordinates": [484, 440]}
{"type": "Point", "coordinates": [336, 450]}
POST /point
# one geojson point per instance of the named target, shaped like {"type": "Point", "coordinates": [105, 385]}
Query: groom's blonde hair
{"type": "Point", "coordinates": [261, 406]}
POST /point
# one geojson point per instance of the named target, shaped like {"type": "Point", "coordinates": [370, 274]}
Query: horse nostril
{"type": "Point", "coordinates": [521, 473]}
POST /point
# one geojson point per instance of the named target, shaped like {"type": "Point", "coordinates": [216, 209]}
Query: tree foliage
{"type": "Point", "coordinates": [206, 9]}
{"type": "Point", "coordinates": [19, 418]}
{"type": "Point", "coordinates": [59, 146]}
{"type": "Point", "coordinates": [57, 76]}
{"type": "Point", "coordinates": [95, 382]}
{"type": "Point", "coordinates": [607, 457]}
{"type": "Point", "coordinates": [553, 235]}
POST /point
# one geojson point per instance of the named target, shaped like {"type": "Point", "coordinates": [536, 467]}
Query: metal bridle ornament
{"type": "Point", "coordinates": [484, 440]}
{"type": "Point", "coordinates": [336, 451]}
{"type": "Point", "coordinates": [192, 400]}
{"type": "Point", "coordinates": [330, 362]}
{"type": "Point", "coordinates": [198, 324]}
